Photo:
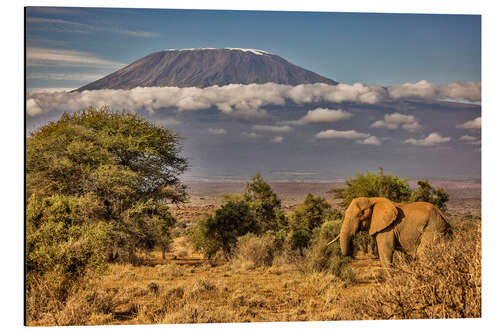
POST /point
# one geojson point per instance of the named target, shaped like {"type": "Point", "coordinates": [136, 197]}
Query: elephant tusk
{"type": "Point", "coordinates": [333, 241]}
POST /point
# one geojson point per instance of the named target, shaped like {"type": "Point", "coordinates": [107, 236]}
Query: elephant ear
{"type": "Point", "coordinates": [384, 213]}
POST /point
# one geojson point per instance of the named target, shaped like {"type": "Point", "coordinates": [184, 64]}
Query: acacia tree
{"type": "Point", "coordinates": [116, 167]}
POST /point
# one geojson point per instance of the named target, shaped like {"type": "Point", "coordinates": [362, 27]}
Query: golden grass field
{"type": "Point", "coordinates": [191, 290]}
{"type": "Point", "coordinates": [184, 288]}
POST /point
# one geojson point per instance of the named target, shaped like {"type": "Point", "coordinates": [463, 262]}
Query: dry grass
{"type": "Point", "coordinates": [445, 283]}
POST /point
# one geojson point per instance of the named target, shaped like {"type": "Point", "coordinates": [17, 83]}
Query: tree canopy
{"type": "Point", "coordinates": [116, 155]}
{"type": "Point", "coordinates": [392, 187]}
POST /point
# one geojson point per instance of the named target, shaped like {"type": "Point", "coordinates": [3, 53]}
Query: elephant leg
{"type": "Point", "coordinates": [385, 244]}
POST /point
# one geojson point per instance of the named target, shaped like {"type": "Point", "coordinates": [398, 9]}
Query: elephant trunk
{"type": "Point", "coordinates": [345, 242]}
{"type": "Point", "coordinates": [345, 238]}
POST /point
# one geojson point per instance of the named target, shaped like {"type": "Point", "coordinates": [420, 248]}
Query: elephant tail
{"type": "Point", "coordinates": [445, 225]}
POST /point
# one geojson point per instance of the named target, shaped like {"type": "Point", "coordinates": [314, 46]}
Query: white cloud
{"type": "Point", "coordinates": [460, 90]}
{"type": "Point", "coordinates": [357, 92]}
{"type": "Point", "coordinates": [431, 140]}
{"type": "Point", "coordinates": [334, 134]}
{"type": "Point", "coordinates": [36, 56]}
{"type": "Point", "coordinates": [454, 91]}
{"type": "Point", "coordinates": [270, 128]}
{"type": "Point", "coordinates": [397, 120]}
{"type": "Point", "coordinates": [235, 99]}
{"type": "Point", "coordinates": [467, 138]}
{"type": "Point", "coordinates": [321, 115]}
{"type": "Point", "coordinates": [371, 140]}
{"type": "Point", "coordinates": [471, 124]}
{"type": "Point", "coordinates": [277, 139]}
{"type": "Point", "coordinates": [251, 134]}
{"type": "Point", "coordinates": [362, 138]}
{"type": "Point", "coordinates": [33, 107]}
{"type": "Point", "coordinates": [217, 131]}
{"type": "Point", "coordinates": [421, 89]}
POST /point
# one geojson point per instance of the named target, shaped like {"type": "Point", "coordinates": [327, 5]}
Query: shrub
{"type": "Point", "coordinates": [258, 250]}
{"type": "Point", "coordinates": [59, 238]}
{"type": "Point", "coordinates": [321, 257]}
{"type": "Point", "coordinates": [313, 211]}
{"type": "Point", "coordinates": [220, 231]}
{"type": "Point", "coordinates": [308, 216]}
{"type": "Point", "coordinates": [264, 204]}
{"type": "Point", "coordinates": [299, 237]}
{"type": "Point", "coordinates": [445, 282]}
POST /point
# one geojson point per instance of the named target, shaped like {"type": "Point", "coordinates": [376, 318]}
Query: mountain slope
{"type": "Point", "coordinates": [204, 68]}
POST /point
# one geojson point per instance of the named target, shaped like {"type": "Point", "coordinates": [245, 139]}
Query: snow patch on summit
{"type": "Point", "coordinates": [254, 51]}
{"type": "Point", "coordinates": [258, 52]}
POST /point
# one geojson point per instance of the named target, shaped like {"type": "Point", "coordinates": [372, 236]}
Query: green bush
{"type": "Point", "coordinates": [330, 229]}
{"type": "Point", "coordinates": [321, 257]}
{"type": "Point", "coordinates": [299, 237]}
{"type": "Point", "coordinates": [313, 211]}
{"type": "Point", "coordinates": [59, 239]}
{"type": "Point", "coordinates": [62, 246]}
{"type": "Point", "coordinates": [221, 230]}
{"type": "Point", "coordinates": [308, 216]}
{"type": "Point", "coordinates": [264, 204]}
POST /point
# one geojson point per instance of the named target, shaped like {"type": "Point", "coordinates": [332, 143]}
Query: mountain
{"type": "Point", "coordinates": [204, 68]}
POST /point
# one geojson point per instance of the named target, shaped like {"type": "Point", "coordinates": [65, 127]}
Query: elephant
{"type": "Point", "coordinates": [395, 226]}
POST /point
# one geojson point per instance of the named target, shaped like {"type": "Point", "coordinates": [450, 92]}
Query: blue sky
{"type": "Point", "coordinates": [417, 112]}
{"type": "Point", "coordinates": [381, 49]}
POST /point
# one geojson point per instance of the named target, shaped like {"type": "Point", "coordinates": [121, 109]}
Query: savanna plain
{"type": "Point", "coordinates": [260, 281]}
